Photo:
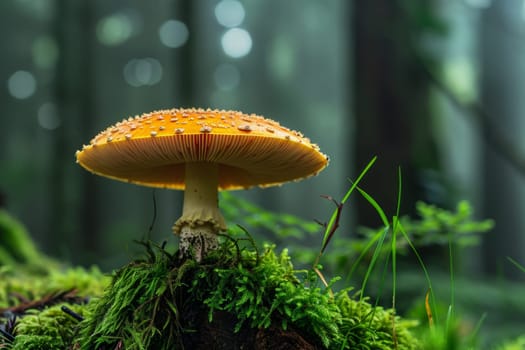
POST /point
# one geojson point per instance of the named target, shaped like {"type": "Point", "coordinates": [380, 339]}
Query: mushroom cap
{"type": "Point", "coordinates": [153, 148]}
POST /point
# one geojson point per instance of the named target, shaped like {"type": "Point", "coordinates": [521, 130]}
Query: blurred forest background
{"type": "Point", "coordinates": [434, 86]}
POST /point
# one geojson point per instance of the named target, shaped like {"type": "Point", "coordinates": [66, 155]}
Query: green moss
{"type": "Point", "coordinates": [137, 309]}
{"type": "Point", "coordinates": [51, 328]}
{"type": "Point", "coordinates": [159, 303]}
{"type": "Point", "coordinates": [381, 328]}
{"type": "Point", "coordinates": [30, 305]}
{"type": "Point", "coordinates": [16, 284]}
{"type": "Point", "coordinates": [267, 290]}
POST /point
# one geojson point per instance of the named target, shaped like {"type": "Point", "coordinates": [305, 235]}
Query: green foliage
{"type": "Point", "coordinates": [434, 226]}
{"type": "Point", "coordinates": [16, 246]}
{"type": "Point", "coordinates": [516, 344]}
{"type": "Point", "coordinates": [280, 225]}
{"type": "Point", "coordinates": [437, 226]}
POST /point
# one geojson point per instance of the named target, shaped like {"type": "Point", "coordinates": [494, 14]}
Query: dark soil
{"type": "Point", "coordinates": [220, 335]}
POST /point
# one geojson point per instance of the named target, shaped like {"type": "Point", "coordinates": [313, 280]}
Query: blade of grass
{"type": "Point", "coordinates": [379, 235]}
{"type": "Point", "coordinates": [449, 320]}
{"type": "Point", "coordinates": [517, 264]}
{"type": "Point", "coordinates": [395, 221]}
{"type": "Point", "coordinates": [451, 308]}
{"type": "Point", "coordinates": [475, 332]}
{"type": "Point", "coordinates": [382, 237]}
{"type": "Point", "coordinates": [452, 283]}
{"type": "Point", "coordinates": [373, 261]}
{"type": "Point", "coordinates": [364, 251]}
{"type": "Point", "coordinates": [380, 288]}
{"type": "Point", "coordinates": [374, 204]}
{"type": "Point", "coordinates": [333, 223]}
{"type": "Point", "coordinates": [333, 218]}
{"type": "Point", "coordinates": [423, 267]}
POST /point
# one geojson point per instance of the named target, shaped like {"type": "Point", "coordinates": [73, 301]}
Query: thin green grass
{"type": "Point", "coordinates": [517, 264]}
{"type": "Point", "coordinates": [447, 332]}
{"type": "Point", "coordinates": [329, 227]}
{"type": "Point", "coordinates": [376, 243]}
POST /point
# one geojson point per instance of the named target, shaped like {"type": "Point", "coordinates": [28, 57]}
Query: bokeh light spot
{"type": "Point", "coordinates": [143, 71]}
{"type": "Point", "coordinates": [21, 84]}
{"type": "Point", "coordinates": [460, 76]}
{"type": "Point", "coordinates": [173, 33]}
{"type": "Point", "coordinates": [45, 52]}
{"type": "Point", "coordinates": [227, 76]}
{"type": "Point", "coordinates": [48, 116]}
{"type": "Point", "coordinates": [229, 13]}
{"type": "Point", "coordinates": [115, 29]}
{"type": "Point", "coordinates": [236, 42]}
{"type": "Point", "coordinates": [38, 9]}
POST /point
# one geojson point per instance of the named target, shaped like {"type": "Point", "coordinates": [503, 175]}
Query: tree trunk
{"type": "Point", "coordinates": [392, 108]}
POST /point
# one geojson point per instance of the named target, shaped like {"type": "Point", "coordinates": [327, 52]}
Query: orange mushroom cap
{"type": "Point", "coordinates": [250, 150]}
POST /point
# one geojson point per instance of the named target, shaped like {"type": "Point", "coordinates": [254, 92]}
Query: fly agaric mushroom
{"type": "Point", "coordinates": [201, 151]}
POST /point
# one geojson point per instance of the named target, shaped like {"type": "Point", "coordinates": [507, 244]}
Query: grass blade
{"type": "Point", "coordinates": [373, 261]}
{"type": "Point", "coordinates": [332, 221]}
{"type": "Point", "coordinates": [364, 251]}
{"type": "Point", "coordinates": [423, 267]}
{"type": "Point", "coordinates": [517, 264]}
{"type": "Point", "coordinates": [376, 206]}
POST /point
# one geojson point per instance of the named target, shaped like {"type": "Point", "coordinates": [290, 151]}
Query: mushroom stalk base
{"type": "Point", "coordinates": [197, 242]}
{"type": "Point", "coordinates": [201, 219]}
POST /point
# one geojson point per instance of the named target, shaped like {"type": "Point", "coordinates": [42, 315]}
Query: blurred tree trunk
{"type": "Point", "coordinates": [502, 95]}
{"type": "Point", "coordinates": [75, 219]}
{"type": "Point", "coordinates": [391, 101]}
{"type": "Point", "coordinates": [185, 58]}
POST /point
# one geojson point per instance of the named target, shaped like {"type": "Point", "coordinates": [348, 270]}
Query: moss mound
{"type": "Point", "coordinates": [237, 298]}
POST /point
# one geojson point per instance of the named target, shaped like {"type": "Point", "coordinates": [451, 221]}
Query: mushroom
{"type": "Point", "coordinates": [201, 151]}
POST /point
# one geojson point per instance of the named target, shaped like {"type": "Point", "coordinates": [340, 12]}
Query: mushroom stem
{"type": "Point", "coordinates": [201, 219]}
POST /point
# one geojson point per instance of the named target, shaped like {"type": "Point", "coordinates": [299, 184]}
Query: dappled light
{"type": "Point", "coordinates": [142, 71]}
{"type": "Point", "coordinates": [236, 42]}
{"type": "Point", "coordinates": [48, 117]}
{"type": "Point", "coordinates": [117, 28]}
{"type": "Point", "coordinates": [173, 33]}
{"type": "Point", "coordinates": [21, 84]}
{"type": "Point", "coordinates": [229, 13]}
